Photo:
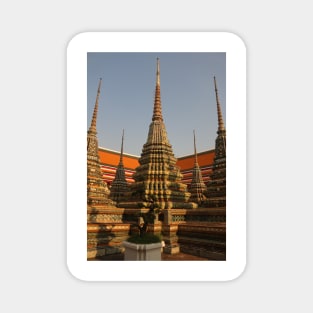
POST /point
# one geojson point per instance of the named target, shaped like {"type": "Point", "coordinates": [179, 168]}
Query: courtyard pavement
{"type": "Point", "coordinates": [165, 257]}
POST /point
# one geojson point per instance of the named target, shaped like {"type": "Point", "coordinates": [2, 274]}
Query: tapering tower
{"type": "Point", "coordinates": [97, 190]}
{"type": "Point", "coordinates": [197, 187]}
{"type": "Point", "coordinates": [217, 184]}
{"type": "Point", "coordinates": [157, 177]}
{"type": "Point", "coordinates": [119, 185]}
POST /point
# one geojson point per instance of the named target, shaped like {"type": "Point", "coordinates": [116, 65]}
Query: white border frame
{"type": "Point", "coordinates": [77, 168]}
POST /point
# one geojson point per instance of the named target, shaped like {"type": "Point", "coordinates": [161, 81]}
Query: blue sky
{"type": "Point", "coordinates": [127, 98]}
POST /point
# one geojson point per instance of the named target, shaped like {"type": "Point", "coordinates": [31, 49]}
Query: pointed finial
{"type": "Point", "coordinates": [122, 147]}
{"type": "Point", "coordinates": [221, 126]}
{"type": "Point", "coordinates": [95, 111]}
{"type": "Point", "coordinates": [158, 72]}
{"type": "Point", "coordinates": [157, 110]}
{"type": "Point", "coordinates": [195, 148]}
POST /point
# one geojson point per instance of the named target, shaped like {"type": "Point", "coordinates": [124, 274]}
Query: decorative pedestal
{"type": "Point", "coordinates": [169, 235]}
{"type": "Point", "coordinates": [142, 252]}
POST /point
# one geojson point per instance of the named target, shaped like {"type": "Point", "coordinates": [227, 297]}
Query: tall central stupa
{"type": "Point", "coordinates": [157, 177]}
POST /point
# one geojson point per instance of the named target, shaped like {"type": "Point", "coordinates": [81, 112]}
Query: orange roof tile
{"type": "Point", "coordinates": [204, 159]}
{"type": "Point", "coordinates": [113, 158]}
{"type": "Point", "coordinates": [131, 162]}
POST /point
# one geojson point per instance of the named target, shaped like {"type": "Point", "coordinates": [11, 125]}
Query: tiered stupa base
{"type": "Point", "coordinates": [161, 205]}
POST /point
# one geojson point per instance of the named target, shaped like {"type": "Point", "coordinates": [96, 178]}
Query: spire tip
{"type": "Point", "coordinates": [157, 111]}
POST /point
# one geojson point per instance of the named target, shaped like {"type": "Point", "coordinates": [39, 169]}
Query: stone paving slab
{"type": "Point", "coordinates": [181, 257]}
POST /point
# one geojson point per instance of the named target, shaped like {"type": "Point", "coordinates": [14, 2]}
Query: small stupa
{"type": "Point", "coordinates": [119, 186]}
{"type": "Point", "coordinates": [197, 187]}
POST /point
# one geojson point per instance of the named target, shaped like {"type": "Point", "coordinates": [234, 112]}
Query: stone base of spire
{"type": "Point", "coordinates": [167, 205]}
{"type": "Point", "coordinates": [219, 202]}
{"type": "Point", "coordinates": [101, 202]}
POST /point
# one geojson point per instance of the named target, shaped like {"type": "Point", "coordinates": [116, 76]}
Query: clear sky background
{"type": "Point", "coordinates": [127, 98]}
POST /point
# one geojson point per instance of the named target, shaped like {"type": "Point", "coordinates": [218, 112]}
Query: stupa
{"type": "Point", "coordinates": [157, 178]}
{"type": "Point", "coordinates": [216, 191]}
{"type": "Point", "coordinates": [119, 185]}
{"type": "Point", "coordinates": [97, 189]}
{"type": "Point", "coordinates": [197, 187]}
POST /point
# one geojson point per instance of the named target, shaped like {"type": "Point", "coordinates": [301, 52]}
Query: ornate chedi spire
{"type": "Point", "coordinates": [216, 191]}
{"type": "Point", "coordinates": [157, 177]}
{"type": "Point", "coordinates": [221, 127]}
{"type": "Point", "coordinates": [97, 190]}
{"type": "Point", "coordinates": [93, 126]}
{"type": "Point", "coordinates": [157, 109]}
{"type": "Point", "coordinates": [119, 185]}
{"type": "Point", "coordinates": [197, 187]}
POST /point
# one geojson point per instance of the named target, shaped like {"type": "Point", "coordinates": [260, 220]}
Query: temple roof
{"type": "Point", "coordinates": [112, 157]}
{"type": "Point", "coordinates": [204, 158]}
